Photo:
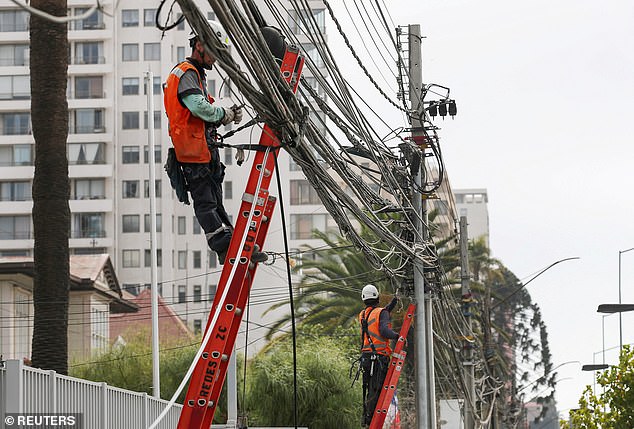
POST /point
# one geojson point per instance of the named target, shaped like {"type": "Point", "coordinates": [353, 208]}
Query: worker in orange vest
{"type": "Point", "coordinates": [376, 333]}
{"type": "Point", "coordinates": [193, 120]}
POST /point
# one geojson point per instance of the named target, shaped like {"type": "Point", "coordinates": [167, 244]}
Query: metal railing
{"type": "Point", "coordinates": [30, 390]}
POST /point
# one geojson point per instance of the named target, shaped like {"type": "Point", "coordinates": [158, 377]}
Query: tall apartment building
{"type": "Point", "coordinates": [473, 203]}
{"type": "Point", "coordinates": [108, 158]}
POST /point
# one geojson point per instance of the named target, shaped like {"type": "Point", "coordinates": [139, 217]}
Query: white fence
{"type": "Point", "coordinates": [28, 390]}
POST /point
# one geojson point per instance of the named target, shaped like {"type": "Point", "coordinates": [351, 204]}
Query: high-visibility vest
{"type": "Point", "coordinates": [381, 345]}
{"type": "Point", "coordinates": [186, 130]}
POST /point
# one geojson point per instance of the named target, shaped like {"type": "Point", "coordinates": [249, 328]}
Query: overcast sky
{"type": "Point", "coordinates": [545, 95]}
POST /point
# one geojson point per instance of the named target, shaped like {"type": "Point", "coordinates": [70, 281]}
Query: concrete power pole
{"type": "Point", "coordinates": [467, 299]}
{"type": "Point", "coordinates": [425, 405]}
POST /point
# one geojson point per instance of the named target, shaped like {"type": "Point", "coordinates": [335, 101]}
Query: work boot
{"type": "Point", "coordinates": [258, 256]}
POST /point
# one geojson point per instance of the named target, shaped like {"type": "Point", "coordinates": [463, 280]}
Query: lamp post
{"type": "Point", "coordinates": [620, 317]}
{"type": "Point", "coordinates": [616, 308]}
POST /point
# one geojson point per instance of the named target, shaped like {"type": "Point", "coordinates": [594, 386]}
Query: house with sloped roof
{"type": "Point", "coordinates": [95, 295]}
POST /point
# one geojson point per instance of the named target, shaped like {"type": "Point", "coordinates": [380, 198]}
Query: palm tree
{"type": "Point", "coordinates": [51, 212]}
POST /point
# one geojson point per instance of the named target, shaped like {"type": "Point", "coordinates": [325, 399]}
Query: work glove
{"type": "Point", "coordinates": [232, 114]}
{"type": "Point", "coordinates": [238, 114]}
{"type": "Point", "coordinates": [228, 117]}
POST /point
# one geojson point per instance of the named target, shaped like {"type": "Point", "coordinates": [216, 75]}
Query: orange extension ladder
{"type": "Point", "coordinates": [237, 275]}
{"type": "Point", "coordinates": [393, 373]}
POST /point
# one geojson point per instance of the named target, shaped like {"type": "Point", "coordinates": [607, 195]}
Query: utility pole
{"type": "Point", "coordinates": [156, 384]}
{"type": "Point", "coordinates": [467, 303]}
{"type": "Point", "coordinates": [425, 406]}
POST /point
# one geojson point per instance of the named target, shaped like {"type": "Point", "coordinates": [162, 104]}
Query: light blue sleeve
{"type": "Point", "coordinates": [201, 108]}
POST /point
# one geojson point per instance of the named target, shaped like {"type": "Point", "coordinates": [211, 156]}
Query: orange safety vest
{"type": "Point", "coordinates": [381, 345]}
{"type": "Point", "coordinates": [186, 130]}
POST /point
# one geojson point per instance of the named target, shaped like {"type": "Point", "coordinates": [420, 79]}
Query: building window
{"type": "Point", "coordinates": [156, 86]}
{"type": "Point", "coordinates": [88, 225]}
{"type": "Point", "coordinates": [151, 51]}
{"type": "Point", "coordinates": [131, 189]}
{"type": "Point", "coordinates": [15, 87]}
{"type": "Point", "coordinates": [89, 87]}
{"type": "Point", "coordinates": [130, 18]}
{"type": "Point", "coordinates": [313, 53]}
{"type": "Point", "coordinates": [131, 258]}
{"type": "Point", "coordinates": [92, 22]}
{"type": "Point", "coordinates": [14, 20]}
{"type": "Point", "coordinates": [197, 293]}
{"type": "Point", "coordinates": [303, 193]}
{"type": "Point", "coordinates": [157, 188]}
{"type": "Point", "coordinates": [212, 259]}
{"type": "Point", "coordinates": [196, 261]}
{"type": "Point", "coordinates": [88, 189]}
{"type": "Point", "coordinates": [197, 325]}
{"type": "Point", "coordinates": [99, 330]}
{"type": "Point", "coordinates": [130, 52]}
{"type": "Point", "coordinates": [157, 120]}
{"type": "Point", "coordinates": [89, 53]}
{"type": "Point", "coordinates": [182, 259]}
{"type": "Point", "coordinates": [182, 223]}
{"type": "Point", "coordinates": [228, 190]}
{"type": "Point", "coordinates": [228, 156]}
{"type": "Point", "coordinates": [15, 191]}
{"type": "Point", "coordinates": [302, 225]}
{"type": "Point", "coordinates": [182, 294]}
{"type": "Point", "coordinates": [15, 123]}
{"type": "Point", "coordinates": [146, 223]}
{"type": "Point", "coordinates": [130, 120]}
{"type": "Point", "coordinates": [196, 226]}
{"type": "Point", "coordinates": [300, 22]}
{"type": "Point", "coordinates": [85, 153]}
{"type": "Point", "coordinates": [131, 223]}
{"type": "Point", "coordinates": [181, 24]}
{"type": "Point", "coordinates": [84, 121]}
{"type": "Point", "coordinates": [14, 55]}
{"type": "Point", "coordinates": [146, 257]}
{"type": "Point", "coordinates": [157, 153]}
{"type": "Point", "coordinates": [130, 86]}
{"type": "Point", "coordinates": [180, 54]}
{"type": "Point", "coordinates": [15, 227]}
{"type": "Point", "coordinates": [212, 293]}
{"type": "Point", "coordinates": [226, 91]}
{"type": "Point", "coordinates": [17, 154]}
{"type": "Point", "coordinates": [149, 17]}
{"type": "Point", "coordinates": [130, 155]}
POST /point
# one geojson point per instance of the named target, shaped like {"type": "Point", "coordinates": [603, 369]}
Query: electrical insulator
{"type": "Point", "coordinates": [452, 108]}
{"type": "Point", "coordinates": [442, 109]}
{"type": "Point", "coordinates": [433, 110]}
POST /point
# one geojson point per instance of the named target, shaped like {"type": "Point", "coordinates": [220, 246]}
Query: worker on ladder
{"type": "Point", "coordinates": [194, 163]}
{"type": "Point", "coordinates": [376, 333]}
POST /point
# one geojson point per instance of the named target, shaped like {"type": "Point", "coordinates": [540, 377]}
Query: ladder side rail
{"type": "Point", "coordinates": [394, 372]}
{"type": "Point", "coordinates": [206, 372]}
{"type": "Point", "coordinates": [235, 326]}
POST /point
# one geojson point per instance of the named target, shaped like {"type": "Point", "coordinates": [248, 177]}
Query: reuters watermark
{"type": "Point", "coordinates": [41, 421]}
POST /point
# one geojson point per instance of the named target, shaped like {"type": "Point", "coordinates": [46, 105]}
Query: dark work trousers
{"type": "Point", "coordinates": [205, 187]}
{"type": "Point", "coordinates": [375, 368]}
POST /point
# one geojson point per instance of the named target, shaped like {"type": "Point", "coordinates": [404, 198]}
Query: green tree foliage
{"type": "Point", "coordinates": [325, 398]}
{"type": "Point", "coordinates": [614, 408]}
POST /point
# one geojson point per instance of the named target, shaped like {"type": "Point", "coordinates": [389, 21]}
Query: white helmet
{"type": "Point", "coordinates": [217, 29]}
{"type": "Point", "coordinates": [369, 292]}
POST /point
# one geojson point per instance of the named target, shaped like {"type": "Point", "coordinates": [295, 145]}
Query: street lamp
{"type": "Point", "coordinates": [595, 367]}
{"type": "Point", "coordinates": [617, 308]}
{"type": "Point", "coordinates": [620, 318]}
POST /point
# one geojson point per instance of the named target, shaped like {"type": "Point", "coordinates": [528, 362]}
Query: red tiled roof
{"type": "Point", "coordinates": [171, 327]}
